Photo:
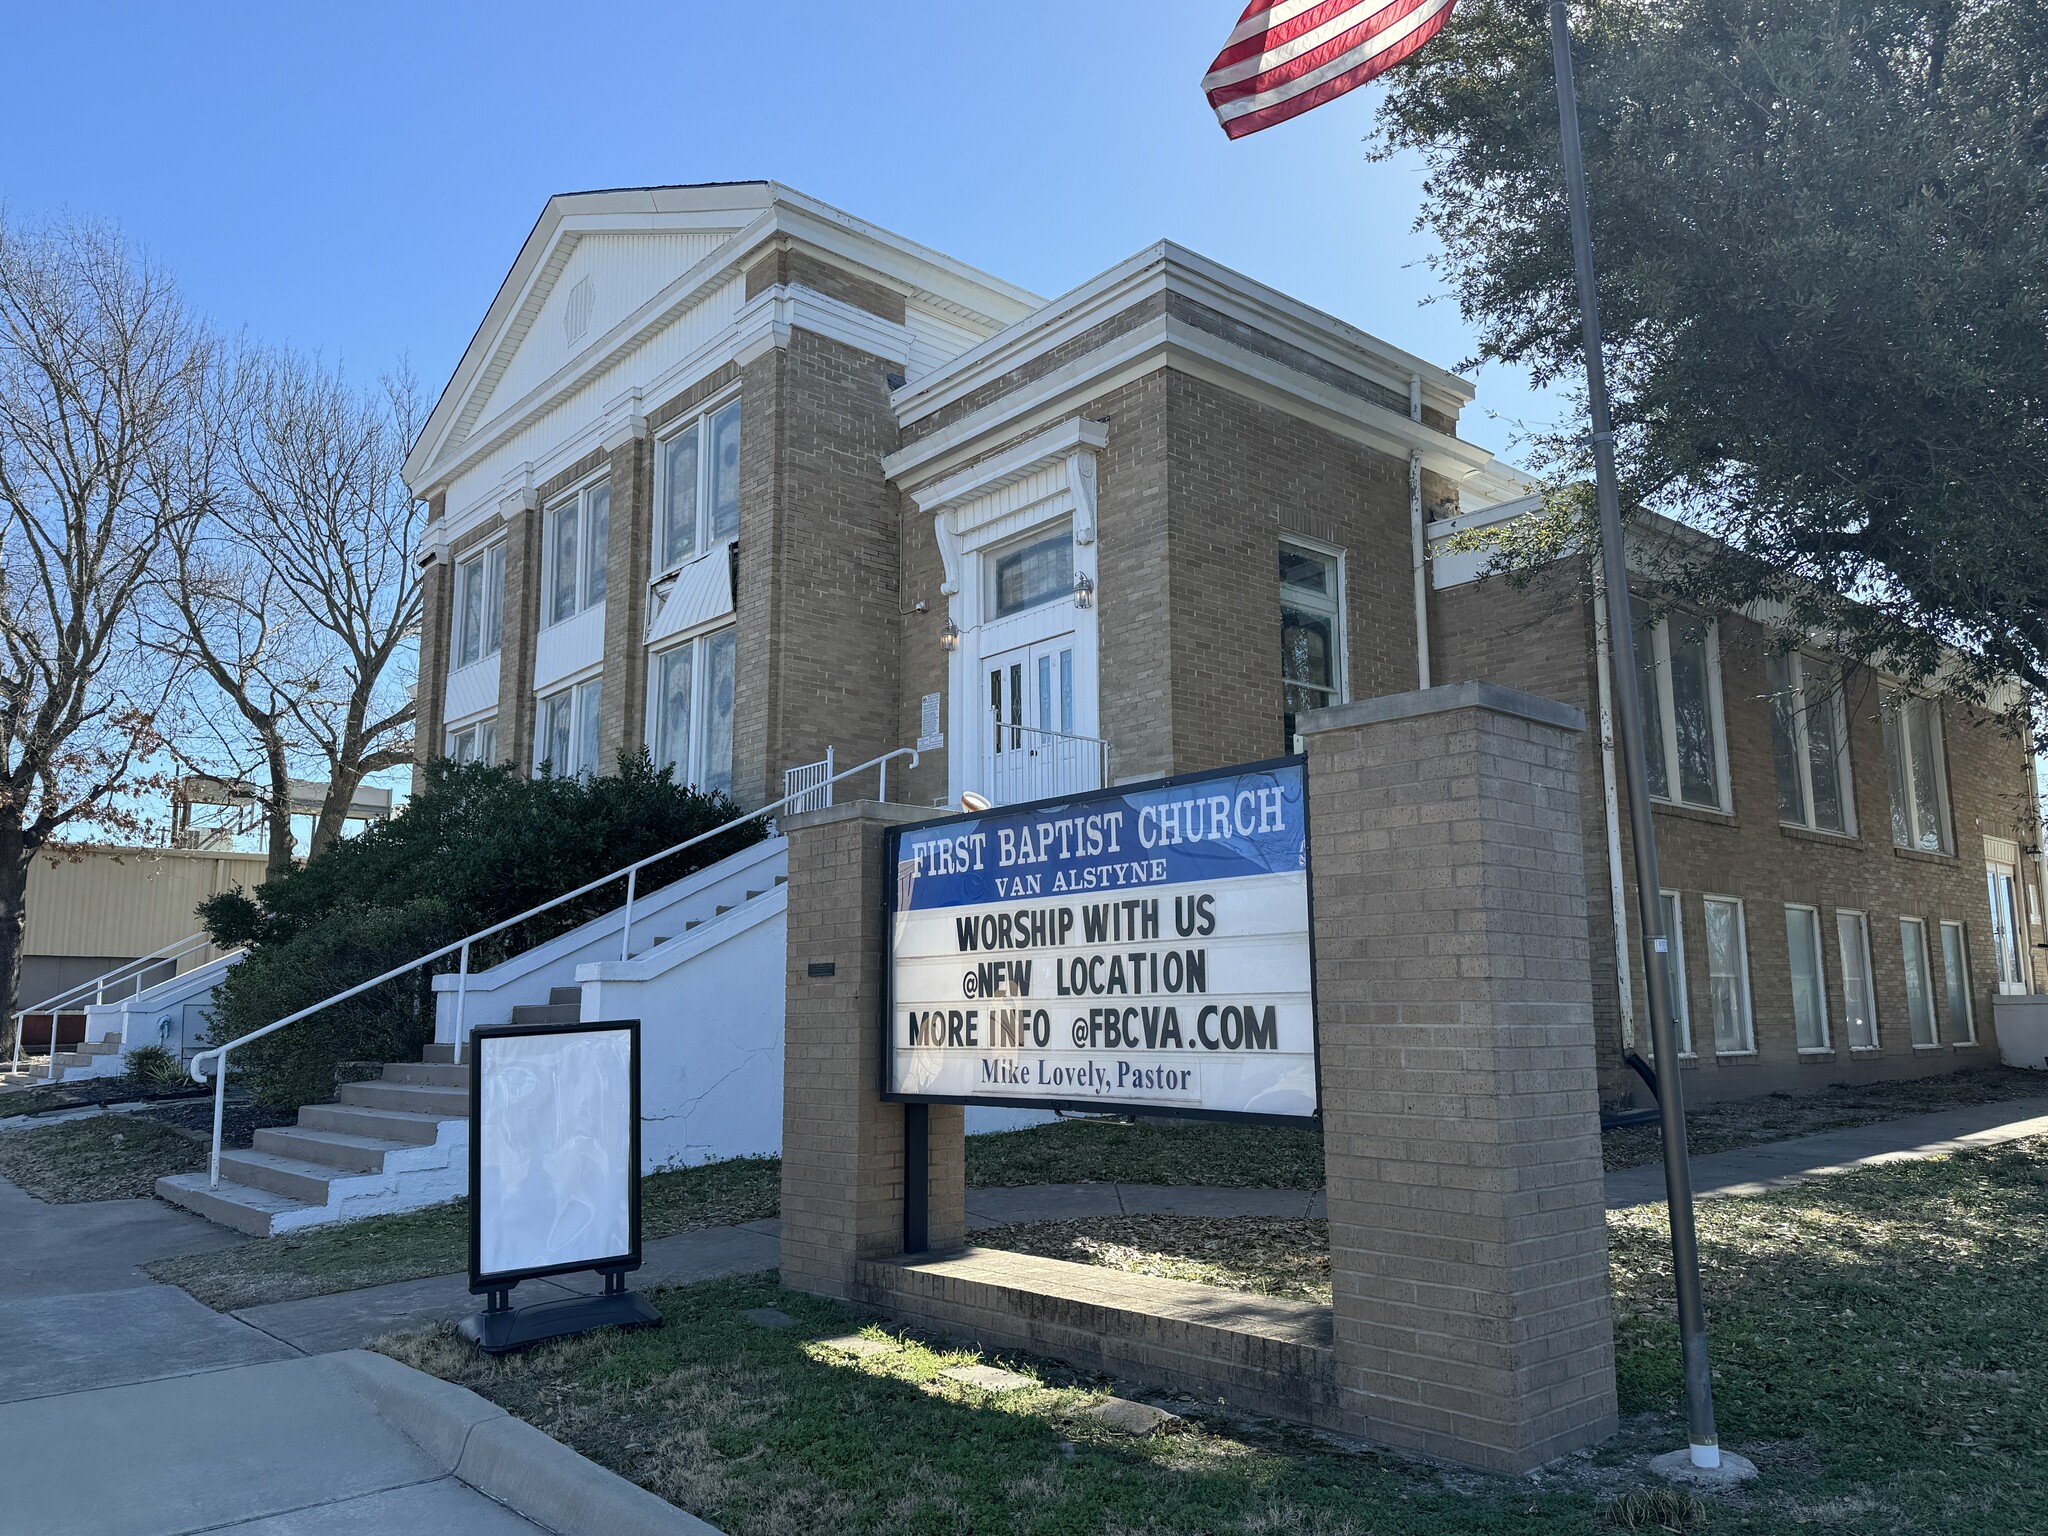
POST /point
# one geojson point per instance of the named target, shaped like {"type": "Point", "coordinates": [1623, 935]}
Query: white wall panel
{"type": "Point", "coordinates": [568, 647]}
{"type": "Point", "coordinates": [472, 690]}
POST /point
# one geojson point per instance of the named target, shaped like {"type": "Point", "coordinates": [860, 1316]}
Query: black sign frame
{"type": "Point", "coordinates": [891, 853]}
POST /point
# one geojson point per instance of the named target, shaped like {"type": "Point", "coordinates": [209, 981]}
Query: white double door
{"type": "Point", "coordinates": [1031, 748]}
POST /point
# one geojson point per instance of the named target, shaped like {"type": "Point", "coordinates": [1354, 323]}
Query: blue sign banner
{"type": "Point", "coordinates": [1251, 822]}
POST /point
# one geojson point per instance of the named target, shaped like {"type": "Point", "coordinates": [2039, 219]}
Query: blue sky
{"type": "Point", "coordinates": [357, 179]}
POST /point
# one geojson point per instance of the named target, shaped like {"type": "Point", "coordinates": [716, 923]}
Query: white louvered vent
{"type": "Point", "coordinates": [576, 310]}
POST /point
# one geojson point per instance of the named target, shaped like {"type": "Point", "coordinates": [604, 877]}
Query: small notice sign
{"type": "Point", "coordinates": [1142, 948]}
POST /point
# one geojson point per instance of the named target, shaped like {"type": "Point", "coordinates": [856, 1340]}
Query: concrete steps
{"type": "Point", "coordinates": [391, 1143]}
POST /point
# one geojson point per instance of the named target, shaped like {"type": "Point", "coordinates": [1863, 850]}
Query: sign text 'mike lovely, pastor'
{"type": "Point", "coordinates": [1142, 947]}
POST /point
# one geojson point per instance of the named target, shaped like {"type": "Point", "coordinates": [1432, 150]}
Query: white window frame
{"type": "Point", "coordinates": [489, 564]}
{"type": "Point", "coordinates": [1969, 1034]}
{"type": "Point", "coordinates": [1742, 959]}
{"type": "Point", "coordinates": [1802, 668]}
{"type": "Point", "coordinates": [1820, 963]}
{"type": "Point", "coordinates": [584, 693]}
{"type": "Point", "coordinates": [1660, 652]}
{"type": "Point", "coordinates": [1894, 703]}
{"type": "Point", "coordinates": [703, 540]}
{"type": "Point", "coordinates": [577, 500]}
{"type": "Point", "coordinates": [1674, 934]}
{"type": "Point", "coordinates": [1912, 931]}
{"type": "Point", "coordinates": [692, 772]}
{"type": "Point", "coordinates": [1862, 921]}
{"type": "Point", "coordinates": [483, 735]}
{"type": "Point", "coordinates": [1336, 608]}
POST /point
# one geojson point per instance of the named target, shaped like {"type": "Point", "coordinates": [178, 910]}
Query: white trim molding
{"type": "Point", "coordinates": [765, 321]}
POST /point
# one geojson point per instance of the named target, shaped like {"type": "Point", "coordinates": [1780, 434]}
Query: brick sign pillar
{"type": "Point", "coordinates": [842, 1146]}
{"type": "Point", "coordinates": [1461, 1120]}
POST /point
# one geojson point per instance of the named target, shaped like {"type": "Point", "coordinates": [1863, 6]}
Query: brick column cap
{"type": "Point", "coordinates": [1436, 701]}
{"type": "Point", "coordinates": [864, 810]}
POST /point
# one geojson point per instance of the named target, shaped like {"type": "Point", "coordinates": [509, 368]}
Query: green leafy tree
{"type": "Point", "coordinates": [478, 844]}
{"type": "Point", "coordinates": [1822, 238]}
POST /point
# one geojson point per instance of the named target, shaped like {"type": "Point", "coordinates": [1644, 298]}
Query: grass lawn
{"type": "Point", "coordinates": [1876, 1343]}
{"type": "Point", "coordinates": [109, 1157]}
{"type": "Point", "coordinates": [435, 1241]}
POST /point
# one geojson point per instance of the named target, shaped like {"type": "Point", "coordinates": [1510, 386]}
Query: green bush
{"type": "Point", "coordinates": [477, 845]}
{"type": "Point", "coordinates": [156, 1069]}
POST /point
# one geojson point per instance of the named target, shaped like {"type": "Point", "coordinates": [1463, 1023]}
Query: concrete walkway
{"type": "Point", "coordinates": [355, 1318]}
{"type": "Point", "coordinates": [133, 1410]}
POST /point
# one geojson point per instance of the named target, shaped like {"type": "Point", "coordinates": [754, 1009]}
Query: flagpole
{"type": "Point", "coordinates": [1685, 1257]}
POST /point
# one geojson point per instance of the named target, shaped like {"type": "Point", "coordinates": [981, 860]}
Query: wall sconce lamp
{"type": "Point", "coordinates": [970, 801]}
{"type": "Point", "coordinates": [949, 636]}
{"type": "Point", "coordinates": [1084, 591]}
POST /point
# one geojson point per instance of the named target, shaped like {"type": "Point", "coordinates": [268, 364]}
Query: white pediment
{"type": "Point", "coordinates": [589, 283]}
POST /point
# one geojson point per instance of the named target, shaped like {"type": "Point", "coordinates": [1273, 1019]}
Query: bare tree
{"type": "Point", "coordinates": [295, 588]}
{"type": "Point", "coordinates": [100, 368]}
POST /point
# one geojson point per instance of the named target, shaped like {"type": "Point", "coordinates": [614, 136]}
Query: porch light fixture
{"type": "Point", "coordinates": [970, 801]}
{"type": "Point", "coordinates": [949, 636]}
{"type": "Point", "coordinates": [1084, 591]}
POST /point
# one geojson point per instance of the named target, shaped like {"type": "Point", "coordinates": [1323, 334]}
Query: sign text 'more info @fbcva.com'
{"type": "Point", "coordinates": [1144, 947]}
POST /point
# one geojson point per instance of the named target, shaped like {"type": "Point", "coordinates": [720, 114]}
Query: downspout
{"type": "Point", "coordinates": [1417, 544]}
{"type": "Point", "coordinates": [1604, 660]}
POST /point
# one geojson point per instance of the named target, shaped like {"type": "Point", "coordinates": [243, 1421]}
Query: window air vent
{"type": "Point", "coordinates": [576, 310]}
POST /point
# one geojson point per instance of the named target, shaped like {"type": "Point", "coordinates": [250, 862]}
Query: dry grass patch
{"type": "Point", "coordinates": [108, 1157]}
{"type": "Point", "coordinates": [1266, 1257]}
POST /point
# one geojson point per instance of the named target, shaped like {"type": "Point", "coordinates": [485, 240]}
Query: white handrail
{"type": "Point", "coordinates": [170, 954]}
{"type": "Point", "coordinates": [217, 1056]}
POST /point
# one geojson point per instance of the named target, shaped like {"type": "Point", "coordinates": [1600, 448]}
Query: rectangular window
{"type": "Point", "coordinates": [565, 730]}
{"type": "Point", "coordinates": [697, 502]}
{"type": "Point", "coordinates": [1810, 744]}
{"type": "Point", "coordinates": [1027, 575]}
{"type": "Point", "coordinates": [1919, 990]}
{"type": "Point", "coordinates": [1679, 679]}
{"type": "Point", "coordinates": [578, 534]}
{"type": "Point", "coordinates": [1311, 634]}
{"type": "Point", "coordinates": [690, 723]}
{"type": "Point", "coordinates": [1955, 976]}
{"type": "Point", "coordinates": [1809, 980]}
{"type": "Point", "coordinates": [479, 605]}
{"type": "Point", "coordinates": [1728, 975]}
{"type": "Point", "coordinates": [474, 743]}
{"type": "Point", "coordinates": [1859, 998]}
{"type": "Point", "coordinates": [1674, 969]}
{"type": "Point", "coordinates": [1919, 782]}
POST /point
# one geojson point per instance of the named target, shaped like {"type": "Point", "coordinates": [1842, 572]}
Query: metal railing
{"type": "Point", "coordinates": [216, 1057]}
{"type": "Point", "coordinates": [127, 970]}
{"type": "Point", "coordinates": [809, 788]}
{"type": "Point", "coordinates": [1031, 764]}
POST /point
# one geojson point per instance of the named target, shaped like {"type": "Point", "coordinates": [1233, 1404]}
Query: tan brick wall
{"type": "Point", "coordinates": [819, 597]}
{"type": "Point", "coordinates": [522, 630]}
{"type": "Point", "coordinates": [622, 707]}
{"type": "Point", "coordinates": [804, 269]}
{"type": "Point", "coordinates": [437, 584]}
{"type": "Point", "coordinates": [1542, 639]}
{"type": "Point", "coordinates": [842, 1146]}
{"type": "Point", "coordinates": [1468, 1244]}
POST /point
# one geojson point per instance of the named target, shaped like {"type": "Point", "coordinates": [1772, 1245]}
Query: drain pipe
{"type": "Point", "coordinates": [1604, 654]}
{"type": "Point", "coordinates": [1418, 545]}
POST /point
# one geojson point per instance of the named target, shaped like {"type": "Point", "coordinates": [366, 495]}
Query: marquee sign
{"type": "Point", "coordinates": [1144, 948]}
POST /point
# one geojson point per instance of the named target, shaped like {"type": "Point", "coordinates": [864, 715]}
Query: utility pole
{"type": "Point", "coordinates": [1685, 1255]}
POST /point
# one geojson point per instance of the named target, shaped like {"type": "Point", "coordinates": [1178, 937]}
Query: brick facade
{"type": "Point", "coordinates": [1542, 639]}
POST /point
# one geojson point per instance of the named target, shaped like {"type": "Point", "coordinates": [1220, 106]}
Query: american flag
{"type": "Point", "coordinates": [1287, 56]}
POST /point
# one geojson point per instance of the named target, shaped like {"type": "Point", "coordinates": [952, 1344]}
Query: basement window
{"type": "Point", "coordinates": [476, 743]}
{"type": "Point", "coordinates": [689, 718]}
{"type": "Point", "coordinates": [565, 734]}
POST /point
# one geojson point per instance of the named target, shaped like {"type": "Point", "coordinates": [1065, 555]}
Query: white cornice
{"type": "Point", "coordinates": [1164, 268]}
{"type": "Point", "coordinates": [1001, 469]}
{"type": "Point", "coordinates": [624, 422]}
{"type": "Point", "coordinates": [765, 321]}
{"type": "Point", "coordinates": [1166, 342]}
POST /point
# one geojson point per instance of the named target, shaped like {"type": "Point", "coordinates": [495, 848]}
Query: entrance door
{"type": "Point", "coordinates": [2006, 930]}
{"type": "Point", "coordinates": [1031, 751]}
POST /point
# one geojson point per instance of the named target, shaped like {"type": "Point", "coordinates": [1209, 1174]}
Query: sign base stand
{"type": "Point", "coordinates": [502, 1328]}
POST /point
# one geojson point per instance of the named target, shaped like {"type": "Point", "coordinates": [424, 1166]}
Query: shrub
{"type": "Point", "coordinates": [477, 845]}
{"type": "Point", "coordinates": [157, 1069]}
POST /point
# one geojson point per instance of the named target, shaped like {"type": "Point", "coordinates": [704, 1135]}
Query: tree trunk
{"type": "Point", "coordinates": [15, 858]}
{"type": "Point", "coordinates": [277, 814]}
{"type": "Point", "coordinates": [341, 794]}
